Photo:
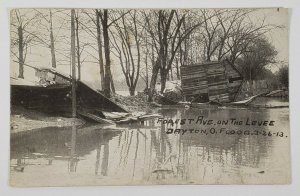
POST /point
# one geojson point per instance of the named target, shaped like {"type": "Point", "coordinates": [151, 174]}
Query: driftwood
{"type": "Point", "coordinates": [274, 93]}
{"type": "Point", "coordinates": [121, 118]}
{"type": "Point", "coordinates": [247, 101]}
{"type": "Point", "coordinates": [278, 93]}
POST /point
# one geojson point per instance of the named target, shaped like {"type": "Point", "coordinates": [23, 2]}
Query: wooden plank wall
{"type": "Point", "coordinates": [234, 86]}
{"type": "Point", "coordinates": [217, 83]}
{"type": "Point", "coordinates": [193, 80]}
{"type": "Point", "coordinates": [211, 78]}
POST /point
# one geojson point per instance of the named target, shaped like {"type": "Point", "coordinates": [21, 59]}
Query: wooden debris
{"type": "Point", "coordinates": [93, 118]}
{"type": "Point", "coordinates": [121, 118]}
{"type": "Point", "coordinates": [115, 115]}
{"type": "Point", "coordinates": [149, 116]}
{"type": "Point", "coordinates": [52, 95]}
{"type": "Point", "coordinates": [210, 81]}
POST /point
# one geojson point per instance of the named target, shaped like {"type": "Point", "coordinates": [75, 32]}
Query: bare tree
{"type": "Point", "coordinates": [80, 46]}
{"type": "Point", "coordinates": [148, 56]}
{"type": "Point", "coordinates": [166, 26]}
{"type": "Point", "coordinates": [47, 40]}
{"type": "Point", "coordinates": [73, 63]}
{"type": "Point", "coordinates": [147, 43]}
{"type": "Point", "coordinates": [128, 51]}
{"type": "Point", "coordinates": [52, 48]}
{"type": "Point", "coordinates": [105, 25]}
{"type": "Point", "coordinates": [78, 53]}
{"type": "Point", "coordinates": [99, 44]}
{"type": "Point", "coordinates": [21, 36]}
{"type": "Point", "coordinates": [108, 82]}
{"type": "Point", "coordinates": [94, 16]}
{"type": "Point", "coordinates": [210, 34]}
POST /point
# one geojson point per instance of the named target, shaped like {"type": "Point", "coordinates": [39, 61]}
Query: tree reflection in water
{"type": "Point", "coordinates": [144, 154]}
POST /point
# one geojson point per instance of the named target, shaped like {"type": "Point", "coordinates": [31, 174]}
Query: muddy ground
{"type": "Point", "coordinates": [24, 120]}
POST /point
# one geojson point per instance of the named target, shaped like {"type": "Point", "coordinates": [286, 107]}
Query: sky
{"type": "Point", "coordinates": [279, 37]}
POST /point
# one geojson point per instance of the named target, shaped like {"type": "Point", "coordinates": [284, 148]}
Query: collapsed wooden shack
{"type": "Point", "coordinates": [212, 81]}
{"type": "Point", "coordinates": [52, 94]}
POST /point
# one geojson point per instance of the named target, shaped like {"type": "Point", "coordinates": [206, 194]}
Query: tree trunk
{"type": "Point", "coordinates": [107, 76]}
{"type": "Point", "coordinates": [147, 74]}
{"type": "Point", "coordinates": [99, 44]}
{"type": "Point", "coordinates": [112, 85]}
{"type": "Point", "coordinates": [21, 59]}
{"type": "Point", "coordinates": [52, 48]}
{"type": "Point", "coordinates": [131, 91]}
{"type": "Point", "coordinates": [155, 71]}
{"type": "Point", "coordinates": [163, 80]}
{"type": "Point", "coordinates": [208, 55]}
{"type": "Point", "coordinates": [251, 80]}
{"type": "Point", "coordinates": [73, 61]}
{"type": "Point", "coordinates": [78, 49]}
{"type": "Point", "coordinates": [171, 72]}
{"type": "Point", "coordinates": [146, 64]}
{"type": "Point", "coordinates": [177, 69]}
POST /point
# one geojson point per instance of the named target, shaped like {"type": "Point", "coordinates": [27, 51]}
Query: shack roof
{"type": "Point", "coordinates": [201, 64]}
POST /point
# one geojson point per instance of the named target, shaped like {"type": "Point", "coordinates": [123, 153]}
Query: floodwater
{"type": "Point", "coordinates": [159, 152]}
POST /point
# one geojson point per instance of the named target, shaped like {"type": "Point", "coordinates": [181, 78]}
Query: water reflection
{"type": "Point", "coordinates": [73, 160]}
{"type": "Point", "coordinates": [144, 154]}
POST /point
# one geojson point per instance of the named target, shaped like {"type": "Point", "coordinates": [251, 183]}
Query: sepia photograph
{"type": "Point", "coordinates": [149, 96]}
